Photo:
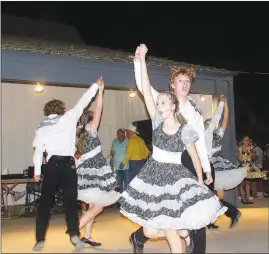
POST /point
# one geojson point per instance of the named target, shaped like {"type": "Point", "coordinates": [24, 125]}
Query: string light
{"type": "Point", "coordinates": [132, 93]}
{"type": "Point", "coordinates": [202, 97]}
{"type": "Point", "coordinates": [39, 88]}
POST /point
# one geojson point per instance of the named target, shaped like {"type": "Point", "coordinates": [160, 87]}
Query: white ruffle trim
{"type": "Point", "coordinates": [195, 217]}
{"type": "Point", "coordinates": [229, 179]}
{"type": "Point", "coordinates": [98, 197]}
{"type": "Point", "coordinates": [140, 186]}
{"type": "Point", "coordinates": [95, 171]}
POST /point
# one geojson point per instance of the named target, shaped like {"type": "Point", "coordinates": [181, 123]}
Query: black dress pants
{"type": "Point", "coordinates": [60, 172]}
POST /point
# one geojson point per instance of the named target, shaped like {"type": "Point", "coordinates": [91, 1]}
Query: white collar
{"type": "Point", "coordinates": [52, 115]}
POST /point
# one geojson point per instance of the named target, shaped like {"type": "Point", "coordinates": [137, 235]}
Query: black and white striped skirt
{"type": "Point", "coordinates": [168, 196]}
{"type": "Point", "coordinates": [96, 182]}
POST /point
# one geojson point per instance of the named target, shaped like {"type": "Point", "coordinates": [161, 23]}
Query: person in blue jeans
{"type": "Point", "coordinates": [118, 152]}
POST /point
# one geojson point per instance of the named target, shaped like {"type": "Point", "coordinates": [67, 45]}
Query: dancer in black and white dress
{"type": "Point", "coordinates": [96, 182]}
{"type": "Point", "coordinates": [166, 198]}
{"type": "Point", "coordinates": [227, 175]}
{"type": "Point", "coordinates": [180, 81]}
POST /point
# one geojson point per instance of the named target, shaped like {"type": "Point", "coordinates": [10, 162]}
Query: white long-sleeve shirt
{"type": "Point", "coordinates": [189, 113]}
{"type": "Point", "coordinates": [211, 127]}
{"type": "Point", "coordinates": [60, 138]}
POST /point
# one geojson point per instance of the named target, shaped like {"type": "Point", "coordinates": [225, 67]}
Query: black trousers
{"type": "Point", "coordinates": [61, 172]}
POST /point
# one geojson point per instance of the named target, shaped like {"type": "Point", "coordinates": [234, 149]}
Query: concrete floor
{"type": "Point", "coordinates": [113, 230]}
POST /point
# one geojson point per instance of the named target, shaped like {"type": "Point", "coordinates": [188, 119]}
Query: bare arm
{"type": "Point", "coordinates": [98, 109]}
{"type": "Point", "coordinates": [146, 90]}
{"type": "Point", "coordinates": [195, 160]}
{"type": "Point", "coordinates": [226, 117]}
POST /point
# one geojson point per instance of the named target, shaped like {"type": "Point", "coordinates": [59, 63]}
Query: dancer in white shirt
{"type": "Point", "coordinates": [57, 136]}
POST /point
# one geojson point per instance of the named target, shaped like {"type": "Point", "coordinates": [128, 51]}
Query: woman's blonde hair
{"type": "Point", "coordinates": [173, 98]}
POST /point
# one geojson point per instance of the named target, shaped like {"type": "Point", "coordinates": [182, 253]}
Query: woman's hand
{"type": "Point", "coordinates": [142, 51]}
{"type": "Point", "coordinates": [223, 98]}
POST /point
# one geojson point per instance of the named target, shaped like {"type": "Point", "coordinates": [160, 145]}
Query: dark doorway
{"type": "Point", "coordinates": [144, 128]}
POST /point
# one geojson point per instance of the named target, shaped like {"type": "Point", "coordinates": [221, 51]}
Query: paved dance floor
{"type": "Point", "coordinates": [113, 230]}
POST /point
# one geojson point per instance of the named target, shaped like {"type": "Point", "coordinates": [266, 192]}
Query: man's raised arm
{"type": "Point", "coordinates": [84, 101]}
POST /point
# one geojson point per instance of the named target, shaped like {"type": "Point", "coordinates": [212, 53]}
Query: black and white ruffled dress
{"type": "Point", "coordinates": [165, 194]}
{"type": "Point", "coordinates": [96, 182]}
{"type": "Point", "coordinates": [227, 175]}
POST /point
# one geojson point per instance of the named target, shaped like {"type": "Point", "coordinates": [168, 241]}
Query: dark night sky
{"type": "Point", "coordinates": [231, 35]}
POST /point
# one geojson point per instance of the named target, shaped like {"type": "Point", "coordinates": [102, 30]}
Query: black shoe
{"type": "Point", "coordinates": [212, 227]}
{"type": "Point", "coordinates": [88, 241]}
{"type": "Point", "coordinates": [38, 246]}
{"type": "Point", "coordinates": [138, 247]}
{"type": "Point", "coordinates": [235, 220]}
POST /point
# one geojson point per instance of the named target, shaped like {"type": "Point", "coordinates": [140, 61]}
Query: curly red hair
{"type": "Point", "coordinates": [180, 70]}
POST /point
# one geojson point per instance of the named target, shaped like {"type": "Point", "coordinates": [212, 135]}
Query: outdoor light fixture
{"type": "Point", "coordinates": [132, 93]}
{"type": "Point", "coordinates": [39, 88]}
{"type": "Point", "coordinates": [202, 97]}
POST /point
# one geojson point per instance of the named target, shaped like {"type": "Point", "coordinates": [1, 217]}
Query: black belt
{"type": "Point", "coordinates": [58, 157]}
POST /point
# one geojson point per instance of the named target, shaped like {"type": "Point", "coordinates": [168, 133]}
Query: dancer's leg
{"type": "Point", "coordinates": [242, 191]}
{"type": "Point", "coordinates": [248, 192]}
{"type": "Point", "coordinates": [220, 194]}
{"type": "Point", "coordinates": [90, 215]}
{"type": "Point", "coordinates": [174, 240]}
{"type": "Point", "coordinates": [153, 233]}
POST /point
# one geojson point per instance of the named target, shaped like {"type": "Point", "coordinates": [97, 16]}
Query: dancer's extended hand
{"type": "Point", "coordinates": [209, 178]}
{"type": "Point", "coordinates": [143, 51]}
{"type": "Point", "coordinates": [99, 81]}
{"type": "Point", "coordinates": [222, 98]}
{"type": "Point", "coordinates": [36, 178]}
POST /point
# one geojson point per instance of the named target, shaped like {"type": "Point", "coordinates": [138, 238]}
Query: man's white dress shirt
{"type": "Point", "coordinates": [194, 118]}
{"type": "Point", "coordinates": [60, 138]}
